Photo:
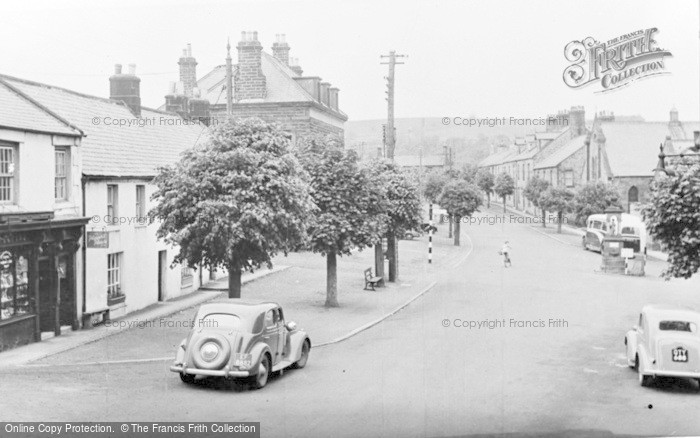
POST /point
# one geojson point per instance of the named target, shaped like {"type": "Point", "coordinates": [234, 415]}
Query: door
{"type": "Point", "coordinates": [271, 334]}
{"type": "Point", "coordinates": [162, 266]}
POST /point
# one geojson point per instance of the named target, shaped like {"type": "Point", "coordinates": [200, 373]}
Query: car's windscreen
{"type": "Point", "coordinates": [220, 320]}
{"type": "Point", "coordinates": [678, 326]}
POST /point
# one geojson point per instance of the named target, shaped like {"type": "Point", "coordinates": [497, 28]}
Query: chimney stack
{"type": "Point", "coordinates": [294, 65]}
{"type": "Point", "coordinates": [577, 119]}
{"type": "Point", "coordinates": [126, 88]}
{"type": "Point", "coordinates": [188, 70]}
{"type": "Point", "coordinates": [250, 82]}
{"type": "Point", "coordinates": [280, 49]}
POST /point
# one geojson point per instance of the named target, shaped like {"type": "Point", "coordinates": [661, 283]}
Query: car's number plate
{"type": "Point", "coordinates": [243, 360]}
{"type": "Point", "coordinates": [679, 354]}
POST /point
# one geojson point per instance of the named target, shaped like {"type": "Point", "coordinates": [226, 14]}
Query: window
{"type": "Point", "coordinates": [8, 175]}
{"type": "Point", "coordinates": [62, 162]}
{"type": "Point", "coordinates": [679, 326]}
{"type": "Point", "coordinates": [186, 275]}
{"type": "Point", "coordinates": [633, 195]}
{"type": "Point", "coordinates": [114, 275]}
{"type": "Point", "coordinates": [15, 299]}
{"type": "Point", "coordinates": [269, 319]}
{"type": "Point", "coordinates": [569, 178]}
{"type": "Point", "coordinates": [140, 201]}
{"type": "Point", "coordinates": [112, 202]}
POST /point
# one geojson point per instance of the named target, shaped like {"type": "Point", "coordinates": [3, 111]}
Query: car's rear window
{"type": "Point", "coordinates": [219, 320]}
{"type": "Point", "coordinates": [630, 231]}
{"type": "Point", "coordinates": [678, 326]}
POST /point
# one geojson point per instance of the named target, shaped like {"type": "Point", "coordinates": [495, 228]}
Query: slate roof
{"type": "Point", "coordinates": [113, 150]}
{"type": "Point", "coordinates": [497, 158]}
{"type": "Point", "coordinates": [633, 147]}
{"type": "Point", "coordinates": [279, 79]}
{"type": "Point", "coordinates": [18, 111]}
{"type": "Point", "coordinates": [570, 148]}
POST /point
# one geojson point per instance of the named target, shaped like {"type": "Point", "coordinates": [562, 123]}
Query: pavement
{"type": "Point", "coordinates": [302, 298]}
{"type": "Point", "coordinates": [69, 339]}
{"type": "Point", "coordinates": [545, 358]}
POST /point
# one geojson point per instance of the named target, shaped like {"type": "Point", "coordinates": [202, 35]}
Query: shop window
{"type": "Point", "coordinates": [62, 164]}
{"type": "Point", "coordinates": [186, 275]}
{"type": "Point", "coordinates": [8, 174]}
{"type": "Point", "coordinates": [14, 286]}
{"type": "Point", "coordinates": [114, 275]}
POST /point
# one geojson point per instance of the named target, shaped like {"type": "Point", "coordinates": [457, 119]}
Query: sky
{"type": "Point", "coordinates": [465, 58]}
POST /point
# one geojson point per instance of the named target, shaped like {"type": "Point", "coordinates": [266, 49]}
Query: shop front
{"type": "Point", "coordinates": [38, 291]}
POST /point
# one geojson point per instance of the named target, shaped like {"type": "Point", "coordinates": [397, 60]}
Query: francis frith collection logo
{"type": "Point", "coordinates": [615, 63]}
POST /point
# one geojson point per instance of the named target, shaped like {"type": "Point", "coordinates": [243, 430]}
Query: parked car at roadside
{"type": "Point", "coordinates": [239, 339]}
{"type": "Point", "coordinates": [664, 342]}
{"type": "Point", "coordinates": [632, 229]}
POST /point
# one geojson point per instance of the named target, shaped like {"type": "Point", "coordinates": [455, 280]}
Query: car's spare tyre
{"type": "Point", "coordinates": [211, 351]}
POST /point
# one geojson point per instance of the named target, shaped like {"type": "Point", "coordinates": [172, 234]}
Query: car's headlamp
{"type": "Point", "coordinates": [209, 351]}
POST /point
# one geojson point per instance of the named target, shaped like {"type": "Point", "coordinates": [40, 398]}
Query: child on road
{"type": "Point", "coordinates": [505, 251]}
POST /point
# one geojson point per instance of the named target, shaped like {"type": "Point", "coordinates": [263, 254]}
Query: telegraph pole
{"type": "Point", "coordinates": [229, 80]}
{"type": "Point", "coordinates": [390, 129]}
{"type": "Point", "coordinates": [390, 141]}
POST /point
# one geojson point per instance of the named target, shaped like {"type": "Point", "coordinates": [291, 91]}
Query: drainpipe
{"type": "Point", "coordinates": [84, 248]}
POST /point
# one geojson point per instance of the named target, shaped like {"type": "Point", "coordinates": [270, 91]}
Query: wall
{"type": "Point", "coordinates": [623, 184]}
{"type": "Point", "coordinates": [294, 117]}
{"type": "Point", "coordinates": [36, 169]}
{"type": "Point", "coordinates": [137, 242]}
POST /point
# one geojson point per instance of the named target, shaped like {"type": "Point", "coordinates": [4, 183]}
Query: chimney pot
{"type": "Point", "coordinates": [132, 69]}
{"type": "Point", "coordinates": [255, 35]}
{"type": "Point", "coordinates": [117, 69]}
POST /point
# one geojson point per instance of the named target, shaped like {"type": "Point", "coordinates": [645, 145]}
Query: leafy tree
{"type": "Point", "coordinates": [434, 184]}
{"type": "Point", "coordinates": [559, 200]}
{"type": "Point", "coordinates": [469, 172]}
{"type": "Point", "coordinates": [593, 198]}
{"type": "Point", "coordinates": [485, 181]}
{"type": "Point", "coordinates": [234, 202]}
{"type": "Point", "coordinates": [352, 206]}
{"type": "Point", "coordinates": [403, 207]}
{"type": "Point", "coordinates": [504, 186]}
{"type": "Point", "coordinates": [461, 200]}
{"type": "Point", "coordinates": [672, 219]}
{"type": "Point", "coordinates": [534, 188]}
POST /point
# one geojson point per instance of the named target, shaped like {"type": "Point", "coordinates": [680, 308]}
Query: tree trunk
{"type": "Point", "coordinates": [331, 280]}
{"type": "Point", "coordinates": [504, 204]}
{"type": "Point", "coordinates": [488, 200]}
{"type": "Point", "coordinates": [234, 280]}
{"type": "Point", "coordinates": [544, 218]}
{"type": "Point", "coordinates": [379, 259]}
{"type": "Point", "coordinates": [458, 220]}
{"type": "Point", "coordinates": [559, 216]}
{"type": "Point", "coordinates": [449, 220]}
{"type": "Point", "coordinates": [392, 250]}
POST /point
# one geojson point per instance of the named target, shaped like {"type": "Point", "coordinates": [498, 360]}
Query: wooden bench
{"type": "Point", "coordinates": [89, 317]}
{"type": "Point", "coordinates": [370, 280]}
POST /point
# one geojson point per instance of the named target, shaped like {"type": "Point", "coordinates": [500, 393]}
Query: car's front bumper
{"type": "Point", "coordinates": [225, 372]}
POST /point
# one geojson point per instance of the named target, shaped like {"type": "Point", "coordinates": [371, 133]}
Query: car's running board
{"type": "Point", "coordinates": [281, 365]}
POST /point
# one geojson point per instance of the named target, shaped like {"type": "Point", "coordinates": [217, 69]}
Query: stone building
{"type": "Point", "coordinates": [621, 152]}
{"type": "Point", "coordinates": [269, 86]}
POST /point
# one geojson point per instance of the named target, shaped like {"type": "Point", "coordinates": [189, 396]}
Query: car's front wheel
{"type": "Point", "coordinates": [187, 378]}
{"type": "Point", "coordinates": [305, 349]}
{"type": "Point", "coordinates": [583, 243]}
{"type": "Point", "coordinates": [261, 377]}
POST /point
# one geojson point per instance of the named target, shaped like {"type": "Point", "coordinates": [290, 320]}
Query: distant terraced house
{"type": "Point", "coordinates": [622, 152]}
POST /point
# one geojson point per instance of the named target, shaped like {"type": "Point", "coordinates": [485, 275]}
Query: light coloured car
{"type": "Point", "coordinates": [665, 342]}
{"type": "Point", "coordinates": [238, 339]}
{"type": "Point", "coordinates": [632, 230]}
